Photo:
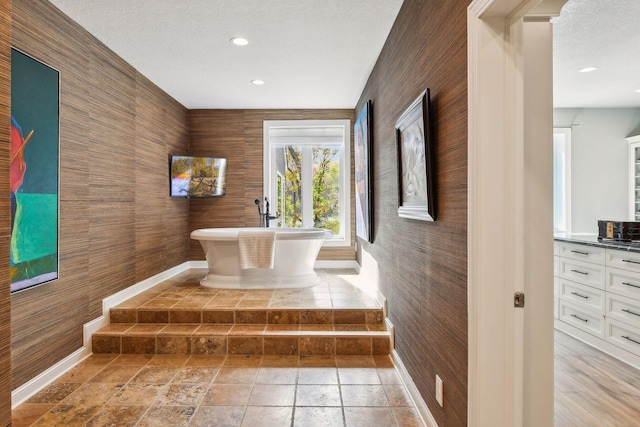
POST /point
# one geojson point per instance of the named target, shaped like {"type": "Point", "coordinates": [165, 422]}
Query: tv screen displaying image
{"type": "Point", "coordinates": [197, 176]}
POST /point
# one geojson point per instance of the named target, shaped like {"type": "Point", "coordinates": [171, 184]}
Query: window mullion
{"type": "Point", "coordinates": [307, 186]}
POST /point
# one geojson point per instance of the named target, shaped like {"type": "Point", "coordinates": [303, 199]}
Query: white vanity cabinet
{"type": "Point", "coordinates": [623, 299]}
{"type": "Point", "coordinates": [581, 280]}
{"type": "Point", "coordinates": [597, 297]}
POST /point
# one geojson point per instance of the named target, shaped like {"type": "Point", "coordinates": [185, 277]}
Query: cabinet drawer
{"type": "Point", "coordinates": [624, 309]}
{"type": "Point", "coordinates": [623, 335]}
{"type": "Point", "coordinates": [583, 296]}
{"type": "Point", "coordinates": [556, 248]}
{"type": "Point", "coordinates": [623, 282]}
{"type": "Point", "coordinates": [582, 252]}
{"type": "Point", "coordinates": [556, 287]}
{"type": "Point", "coordinates": [556, 304]}
{"type": "Point", "coordinates": [586, 320]}
{"type": "Point", "coordinates": [623, 259]}
{"type": "Point", "coordinates": [583, 272]}
{"type": "Point", "coordinates": [556, 265]}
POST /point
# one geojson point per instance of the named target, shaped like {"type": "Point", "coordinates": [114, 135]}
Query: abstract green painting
{"type": "Point", "coordinates": [35, 110]}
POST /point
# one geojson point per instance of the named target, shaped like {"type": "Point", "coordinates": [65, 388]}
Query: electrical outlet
{"type": "Point", "coordinates": [439, 390]}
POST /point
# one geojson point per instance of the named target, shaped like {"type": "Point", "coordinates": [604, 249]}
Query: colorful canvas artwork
{"type": "Point", "coordinates": [35, 89]}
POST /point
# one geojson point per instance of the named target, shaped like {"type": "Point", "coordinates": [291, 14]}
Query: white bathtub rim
{"type": "Point", "coordinates": [231, 234]}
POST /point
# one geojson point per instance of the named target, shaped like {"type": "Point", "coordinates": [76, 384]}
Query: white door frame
{"type": "Point", "coordinates": [509, 217]}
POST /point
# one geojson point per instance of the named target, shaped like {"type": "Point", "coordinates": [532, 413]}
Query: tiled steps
{"type": "Point", "coordinates": [246, 331]}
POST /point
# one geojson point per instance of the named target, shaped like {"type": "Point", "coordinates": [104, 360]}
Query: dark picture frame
{"type": "Point", "coordinates": [34, 171]}
{"type": "Point", "coordinates": [416, 197]}
{"type": "Point", "coordinates": [362, 136]}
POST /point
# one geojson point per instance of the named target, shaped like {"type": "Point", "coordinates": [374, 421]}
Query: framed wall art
{"type": "Point", "coordinates": [362, 135]}
{"type": "Point", "coordinates": [34, 170]}
{"type": "Point", "coordinates": [415, 161]}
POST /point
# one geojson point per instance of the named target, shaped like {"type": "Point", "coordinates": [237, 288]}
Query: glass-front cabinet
{"type": "Point", "coordinates": [634, 177]}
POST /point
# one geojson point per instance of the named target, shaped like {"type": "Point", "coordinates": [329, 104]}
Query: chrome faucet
{"type": "Point", "coordinates": [266, 216]}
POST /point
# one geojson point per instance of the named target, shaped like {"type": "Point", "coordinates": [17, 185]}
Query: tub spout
{"type": "Point", "coordinates": [266, 216]}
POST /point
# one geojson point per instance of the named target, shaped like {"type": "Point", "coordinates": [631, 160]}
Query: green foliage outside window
{"type": "Point", "coordinates": [325, 188]}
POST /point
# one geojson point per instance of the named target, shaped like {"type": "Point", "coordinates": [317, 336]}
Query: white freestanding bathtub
{"type": "Point", "coordinates": [295, 253]}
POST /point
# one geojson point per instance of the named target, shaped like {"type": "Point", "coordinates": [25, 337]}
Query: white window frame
{"type": "Point", "coordinates": [269, 181]}
{"type": "Point", "coordinates": [564, 134]}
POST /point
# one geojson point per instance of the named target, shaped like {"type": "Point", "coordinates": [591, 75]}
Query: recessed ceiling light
{"type": "Point", "coordinates": [587, 69]}
{"type": "Point", "coordinates": [239, 41]}
{"type": "Point", "coordinates": [637, 90]}
{"type": "Point", "coordinates": [257, 82]}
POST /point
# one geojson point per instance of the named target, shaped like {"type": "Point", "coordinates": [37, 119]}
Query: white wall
{"type": "Point", "coordinates": [599, 163]}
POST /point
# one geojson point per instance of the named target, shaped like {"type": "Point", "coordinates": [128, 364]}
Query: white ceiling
{"type": "Point", "coordinates": [601, 33]}
{"type": "Point", "coordinates": [319, 53]}
{"type": "Point", "coordinates": [310, 53]}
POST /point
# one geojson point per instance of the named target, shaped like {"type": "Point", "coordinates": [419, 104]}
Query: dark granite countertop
{"type": "Point", "coordinates": [592, 240]}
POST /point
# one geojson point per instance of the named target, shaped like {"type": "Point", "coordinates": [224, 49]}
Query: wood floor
{"type": "Point", "coordinates": [592, 388]}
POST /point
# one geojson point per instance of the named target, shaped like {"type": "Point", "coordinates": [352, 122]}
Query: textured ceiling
{"type": "Point", "coordinates": [319, 53]}
{"type": "Point", "coordinates": [310, 53]}
{"type": "Point", "coordinates": [601, 33]}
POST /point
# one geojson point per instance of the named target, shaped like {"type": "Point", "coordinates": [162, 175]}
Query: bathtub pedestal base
{"type": "Point", "coordinates": [255, 281]}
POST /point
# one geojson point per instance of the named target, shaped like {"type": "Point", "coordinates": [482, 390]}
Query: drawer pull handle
{"type": "Point", "coordinates": [578, 295]}
{"type": "Point", "coordinates": [580, 318]}
{"type": "Point", "coordinates": [630, 339]}
{"type": "Point", "coordinates": [631, 261]}
{"type": "Point", "coordinates": [631, 312]}
{"type": "Point", "coordinates": [580, 272]}
{"type": "Point", "coordinates": [631, 284]}
{"type": "Point", "coordinates": [580, 252]}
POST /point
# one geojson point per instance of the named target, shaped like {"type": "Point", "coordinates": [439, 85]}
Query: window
{"type": "Point", "coordinates": [562, 180]}
{"type": "Point", "coordinates": [306, 175]}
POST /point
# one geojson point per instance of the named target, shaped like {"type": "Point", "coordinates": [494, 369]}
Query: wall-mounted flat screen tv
{"type": "Point", "coordinates": [198, 176]}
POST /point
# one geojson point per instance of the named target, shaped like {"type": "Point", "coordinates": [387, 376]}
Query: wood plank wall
{"type": "Point", "coordinates": [5, 214]}
{"type": "Point", "coordinates": [237, 135]}
{"type": "Point", "coordinates": [423, 266]}
{"type": "Point", "coordinates": [117, 223]}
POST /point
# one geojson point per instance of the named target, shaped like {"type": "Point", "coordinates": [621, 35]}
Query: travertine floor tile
{"type": "Point", "coordinates": [367, 417]}
{"type": "Point", "coordinates": [272, 395]}
{"type": "Point", "coordinates": [363, 395]}
{"type": "Point", "coordinates": [274, 375]}
{"type": "Point", "coordinates": [267, 416]}
{"type": "Point", "coordinates": [172, 390]}
{"type": "Point", "coordinates": [318, 395]}
{"type": "Point", "coordinates": [318, 416]}
{"type": "Point", "coordinates": [228, 395]}
{"type": "Point", "coordinates": [318, 376]}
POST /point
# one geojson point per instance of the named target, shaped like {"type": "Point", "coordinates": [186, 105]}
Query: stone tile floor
{"type": "Point", "coordinates": [183, 292]}
{"type": "Point", "coordinates": [179, 316]}
{"type": "Point", "coordinates": [255, 391]}
{"type": "Point", "coordinates": [226, 390]}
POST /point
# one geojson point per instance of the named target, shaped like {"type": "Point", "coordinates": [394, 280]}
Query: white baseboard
{"type": "Point", "coordinates": [25, 391]}
{"type": "Point", "coordinates": [198, 264]}
{"type": "Point", "coordinates": [138, 288]}
{"type": "Point", "coordinates": [31, 387]}
{"type": "Point", "coordinates": [392, 333]}
{"type": "Point", "coordinates": [418, 401]}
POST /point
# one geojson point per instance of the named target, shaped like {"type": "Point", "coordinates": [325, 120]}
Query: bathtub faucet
{"type": "Point", "coordinates": [266, 216]}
